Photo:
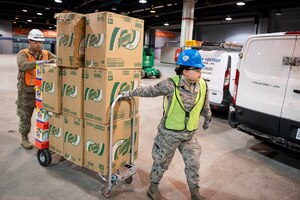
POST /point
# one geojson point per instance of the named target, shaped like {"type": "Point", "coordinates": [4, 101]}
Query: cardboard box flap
{"type": "Point", "coordinates": [69, 17]}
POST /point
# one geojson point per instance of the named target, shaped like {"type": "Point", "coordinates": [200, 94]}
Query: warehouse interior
{"type": "Point", "coordinates": [234, 165]}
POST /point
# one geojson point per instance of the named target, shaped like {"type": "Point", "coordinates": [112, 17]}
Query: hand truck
{"type": "Point", "coordinates": [130, 169]}
{"type": "Point", "coordinates": [113, 179]}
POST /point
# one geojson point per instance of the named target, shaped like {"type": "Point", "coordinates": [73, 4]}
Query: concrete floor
{"type": "Point", "coordinates": [234, 166]}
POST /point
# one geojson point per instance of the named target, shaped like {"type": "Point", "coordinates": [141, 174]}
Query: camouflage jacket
{"type": "Point", "coordinates": [188, 93]}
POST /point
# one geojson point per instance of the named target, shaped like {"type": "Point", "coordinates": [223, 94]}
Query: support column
{"type": "Point", "coordinates": [187, 23]}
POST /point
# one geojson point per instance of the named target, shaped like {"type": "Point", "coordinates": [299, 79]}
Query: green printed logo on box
{"type": "Point", "coordinates": [65, 40]}
{"type": "Point", "coordinates": [94, 147]}
{"type": "Point", "coordinates": [124, 38]}
{"type": "Point", "coordinates": [91, 94]}
{"type": "Point", "coordinates": [48, 87]}
{"type": "Point", "coordinates": [70, 91]}
{"type": "Point", "coordinates": [94, 40]}
{"type": "Point", "coordinates": [72, 139]}
{"type": "Point", "coordinates": [56, 131]}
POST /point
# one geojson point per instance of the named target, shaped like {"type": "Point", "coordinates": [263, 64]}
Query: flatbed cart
{"type": "Point", "coordinates": [113, 179]}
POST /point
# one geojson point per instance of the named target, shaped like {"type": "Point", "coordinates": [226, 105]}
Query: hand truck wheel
{"type": "Point", "coordinates": [129, 180]}
{"type": "Point", "coordinates": [106, 193]}
{"type": "Point", "coordinates": [44, 157]}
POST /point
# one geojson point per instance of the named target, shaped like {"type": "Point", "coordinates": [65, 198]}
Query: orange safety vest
{"type": "Point", "coordinates": [30, 75]}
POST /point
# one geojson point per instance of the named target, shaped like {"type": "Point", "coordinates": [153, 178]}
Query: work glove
{"type": "Point", "coordinates": [40, 62]}
{"type": "Point", "coordinates": [53, 60]}
{"type": "Point", "coordinates": [206, 124]}
{"type": "Point", "coordinates": [125, 94]}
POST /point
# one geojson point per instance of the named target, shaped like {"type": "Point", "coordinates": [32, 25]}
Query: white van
{"type": "Point", "coordinates": [267, 99]}
{"type": "Point", "coordinates": [220, 60]}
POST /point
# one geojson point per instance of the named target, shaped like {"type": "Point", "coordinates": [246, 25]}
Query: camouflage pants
{"type": "Point", "coordinates": [25, 106]}
{"type": "Point", "coordinates": [163, 152]}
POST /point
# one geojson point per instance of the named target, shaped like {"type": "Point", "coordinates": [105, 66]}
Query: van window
{"type": "Point", "coordinates": [264, 58]}
{"type": "Point", "coordinates": [263, 78]}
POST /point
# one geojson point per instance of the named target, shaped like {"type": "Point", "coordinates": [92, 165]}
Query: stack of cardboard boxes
{"type": "Point", "coordinates": [89, 79]}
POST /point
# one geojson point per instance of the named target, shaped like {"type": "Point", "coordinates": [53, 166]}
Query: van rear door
{"type": "Point", "coordinates": [214, 73]}
{"type": "Point", "coordinates": [262, 83]}
{"type": "Point", "coordinates": [290, 115]}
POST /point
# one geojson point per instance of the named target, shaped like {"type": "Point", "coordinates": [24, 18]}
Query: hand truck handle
{"type": "Point", "coordinates": [112, 109]}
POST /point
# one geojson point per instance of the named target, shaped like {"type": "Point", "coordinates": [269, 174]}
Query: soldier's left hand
{"type": "Point", "coordinates": [206, 125]}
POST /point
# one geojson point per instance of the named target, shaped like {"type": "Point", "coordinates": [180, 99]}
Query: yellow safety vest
{"type": "Point", "coordinates": [176, 115]}
{"type": "Point", "coordinates": [30, 75]}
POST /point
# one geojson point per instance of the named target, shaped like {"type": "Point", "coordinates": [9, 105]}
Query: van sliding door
{"type": "Point", "coordinates": [290, 114]}
{"type": "Point", "coordinates": [262, 84]}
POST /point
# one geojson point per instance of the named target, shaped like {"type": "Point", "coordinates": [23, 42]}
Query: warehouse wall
{"type": "Point", "coordinates": [238, 32]}
{"type": "Point", "coordinates": [288, 21]}
{"type": "Point", "coordinates": [5, 32]}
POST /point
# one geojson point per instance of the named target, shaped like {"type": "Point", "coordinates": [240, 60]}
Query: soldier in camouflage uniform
{"type": "Point", "coordinates": [191, 88]}
{"type": "Point", "coordinates": [27, 59]}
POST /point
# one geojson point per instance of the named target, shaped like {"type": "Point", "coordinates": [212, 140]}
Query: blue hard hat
{"type": "Point", "coordinates": [190, 58]}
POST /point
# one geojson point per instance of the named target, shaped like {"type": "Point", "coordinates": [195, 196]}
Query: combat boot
{"type": "Point", "coordinates": [195, 194]}
{"type": "Point", "coordinates": [153, 192]}
{"type": "Point", "coordinates": [25, 143]}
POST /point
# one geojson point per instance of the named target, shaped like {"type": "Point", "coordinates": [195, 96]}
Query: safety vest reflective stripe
{"type": "Point", "coordinates": [30, 75]}
{"type": "Point", "coordinates": [176, 116]}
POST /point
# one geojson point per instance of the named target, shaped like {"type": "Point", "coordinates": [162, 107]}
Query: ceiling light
{"type": "Point", "coordinates": [114, 8]}
{"type": "Point", "coordinates": [240, 3]}
{"type": "Point", "coordinates": [152, 9]}
{"type": "Point", "coordinates": [169, 4]}
{"type": "Point", "coordinates": [54, 25]}
{"type": "Point", "coordinates": [228, 18]}
{"type": "Point", "coordinates": [143, 1]}
{"type": "Point", "coordinates": [166, 24]}
{"type": "Point", "coordinates": [29, 20]}
{"type": "Point", "coordinates": [16, 17]}
{"type": "Point", "coordinates": [47, 8]}
{"type": "Point", "coordinates": [278, 13]}
{"type": "Point", "coordinates": [50, 27]}
{"type": "Point", "coordinates": [161, 6]}
{"type": "Point", "coordinates": [39, 13]}
{"type": "Point", "coordinates": [14, 22]}
{"type": "Point", "coordinates": [24, 10]}
{"type": "Point", "coordinates": [58, 1]}
{"type": "Point", "coordinates": [156, 15]}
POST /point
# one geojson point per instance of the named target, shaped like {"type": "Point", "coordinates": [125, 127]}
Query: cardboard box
{"type": "Point", "coordinates": [113, 41]}
{"type": "Point", "coordinates": [97, 145]}
{"type": "Point", "coordinates": [51, 88]}
{"type": "Point", "coordinates": [56, 138]}
{"type": "Point", "coordinates": [72, 92]}
{"type": "Point", "coordinates": [70, 39]}
{"type": "Point", "coordinates": [101, 87]}
{"type": "Point", "coordinates": [73, 139]}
